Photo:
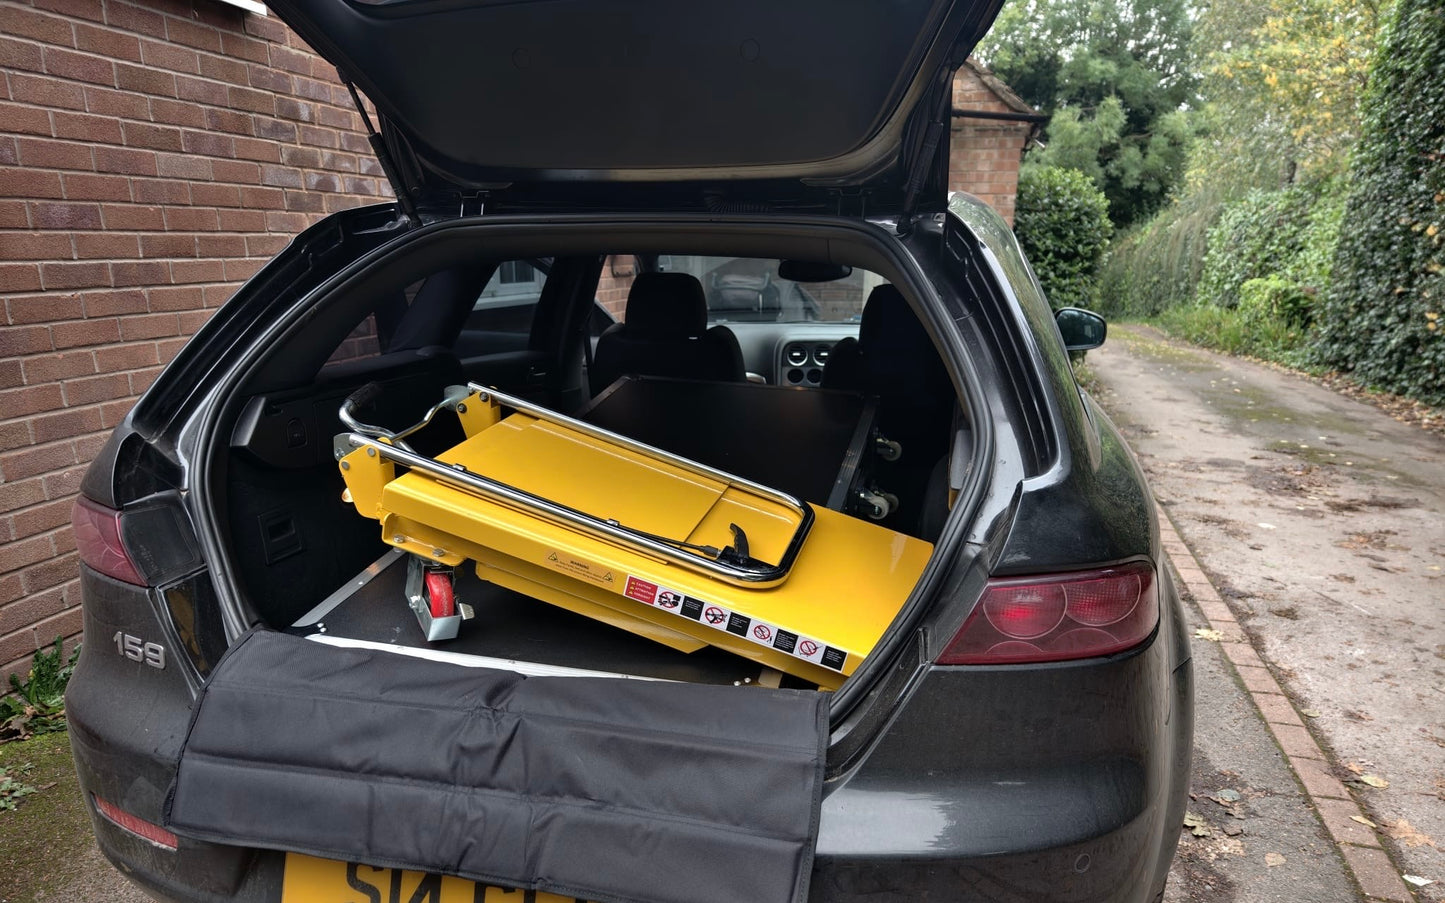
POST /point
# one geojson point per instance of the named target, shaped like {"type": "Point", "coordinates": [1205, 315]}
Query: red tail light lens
{"type": "Point", "coordinates": [138, 826]}
{"type": "Point", "coordinates": [1058, 617]}
{"type": "Point", "coordinates": [97, 538]}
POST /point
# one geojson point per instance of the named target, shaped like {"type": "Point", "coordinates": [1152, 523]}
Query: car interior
{"type": "Point", "coordinates": [725, 360]}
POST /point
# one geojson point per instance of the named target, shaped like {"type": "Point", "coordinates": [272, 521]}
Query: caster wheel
{"type": "Point", "coordinates": [439, 595]}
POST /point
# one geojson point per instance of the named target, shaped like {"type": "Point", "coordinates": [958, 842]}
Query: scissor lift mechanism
{"type": "Point", "coordinates": [628, 534]}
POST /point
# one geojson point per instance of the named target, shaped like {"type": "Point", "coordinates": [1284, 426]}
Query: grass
{"type": "Point", "coordinates": [43, 837]}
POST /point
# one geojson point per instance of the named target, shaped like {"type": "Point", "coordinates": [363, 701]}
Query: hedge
{"type": "Point", "coordinates": [1062, 222]}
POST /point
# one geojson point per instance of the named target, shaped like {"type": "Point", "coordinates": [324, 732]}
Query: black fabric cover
{"type": "Point", "coordinates": [603, 789]}
{"type": "Point", "coordinates": [665, 334]}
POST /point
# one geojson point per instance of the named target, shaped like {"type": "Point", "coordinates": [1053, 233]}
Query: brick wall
{"type": "Point", "coordinates": [985, 154]}
{"type": "Point", "coordinates": [153, 155]}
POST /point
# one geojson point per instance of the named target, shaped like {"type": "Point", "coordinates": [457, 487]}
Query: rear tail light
{"type": "Point", "coordinates": [1058, 617]}
{"type": "Point", "coordinates": [97, 538]}
{"type": "Point", "coordinates": [134, 824]}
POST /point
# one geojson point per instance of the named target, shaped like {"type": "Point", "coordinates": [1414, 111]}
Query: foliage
{"type": "Point", "coordinates": [1288, 234]}
{"type": "Point", "coordinates": [1062, 222]}
{"type": "Point", "coordinates": [1382, 317]}
{"type": "Point", "coordinates": [1113, 76]}
{"type": "Point", "coordinates": [12, 788]}
{"type": "Point", "coordinates": [1245, 330]}
{"type": "Point", "coordinates": [38, 703]}
{"type": "Point", "coordinates": [1276, 298]}
{"type": "Point", "coordinates": [1283, 81]}
{"type": "Point", "coordinates": [1157, 265]}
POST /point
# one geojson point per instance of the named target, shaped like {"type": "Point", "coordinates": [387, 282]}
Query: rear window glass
{"type": "Point", "coordinates": [749, 289]}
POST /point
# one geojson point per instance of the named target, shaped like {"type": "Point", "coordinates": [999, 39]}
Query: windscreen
{"type": "Point", "coordinates": [750, 290]}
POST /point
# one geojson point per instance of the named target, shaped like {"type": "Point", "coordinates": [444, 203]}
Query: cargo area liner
{"type": "Point", "coordinates": [345, 294]}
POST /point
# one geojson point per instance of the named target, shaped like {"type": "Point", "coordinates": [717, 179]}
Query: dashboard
{"type": "Point", "coordinates": [790, 354]}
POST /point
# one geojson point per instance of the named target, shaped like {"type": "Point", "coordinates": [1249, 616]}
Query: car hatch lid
{"type": "Point", "coordinates": [519, 96]}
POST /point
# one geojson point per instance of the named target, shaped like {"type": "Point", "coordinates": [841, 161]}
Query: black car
{"type": "Point", "coordinates": [279, 701]}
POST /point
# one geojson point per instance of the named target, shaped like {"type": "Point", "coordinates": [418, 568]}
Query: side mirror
{"type": "Point", "coordinates": [1083, 330]}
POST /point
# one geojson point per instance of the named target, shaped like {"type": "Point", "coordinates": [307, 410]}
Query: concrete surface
{"type": "Point", "coordinates": [1321, 522]}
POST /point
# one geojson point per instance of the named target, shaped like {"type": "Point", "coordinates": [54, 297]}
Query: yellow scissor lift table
{"type": "Point", "coordinates": [628, 534]}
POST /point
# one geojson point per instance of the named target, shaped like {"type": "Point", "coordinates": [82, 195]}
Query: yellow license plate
{"type": "Point", "coordinates": [311, 880]}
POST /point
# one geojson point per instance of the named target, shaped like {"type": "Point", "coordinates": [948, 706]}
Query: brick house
{"type": "Point", "coordinates": [153, 155]}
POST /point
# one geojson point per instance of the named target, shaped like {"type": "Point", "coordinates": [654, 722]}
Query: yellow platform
{"type": "Point", "coordinates": [563, 512]}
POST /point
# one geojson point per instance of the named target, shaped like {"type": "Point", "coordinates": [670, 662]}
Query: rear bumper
{"type": "Point", "coordinates": [981, 788]}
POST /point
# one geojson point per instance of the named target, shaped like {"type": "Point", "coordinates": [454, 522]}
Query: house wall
{"type": "Point", "coordinates": [984, 155]}
{"type": "Point", "coordinates": [153, 155]}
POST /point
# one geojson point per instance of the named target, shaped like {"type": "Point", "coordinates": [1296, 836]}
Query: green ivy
{"type": "Point", "coordinates": [1062, 222]}
{"type": "Point", "coordinates": [1384, 316]}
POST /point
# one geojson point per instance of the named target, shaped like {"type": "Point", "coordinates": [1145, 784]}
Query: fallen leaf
{"type": "Point", "coordinates": [1196, 825]}
{"type": "Point", "coordinates": [1229, 795]}
{"type": "Point", "coordinates": [1417, 880]}
{"type": "Point", "coordinates": [1356, 767]}
{"type": "Point", "coordinates": [1233, 830]}
{"type": "Point", "coordinates": [1273, 859]}
{"type": "Point", "coordinates": [1310, 713]}
{"type": "Point", "coordinates": [1206, 633]}
{"type": "Point", "coordinates": [1375, 781]}
{"type": "Point", "coordinates": [1405, 832]}
{"type": "Point", "coordinates": [1264, 526]}
{"type": "Point", "coordinates": [1364, 821]}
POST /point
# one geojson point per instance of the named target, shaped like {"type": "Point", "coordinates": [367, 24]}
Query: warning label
{"type": "Point", "coordinates": [751, 629]}
{"type": "Point", "coordinates": [580, 568]}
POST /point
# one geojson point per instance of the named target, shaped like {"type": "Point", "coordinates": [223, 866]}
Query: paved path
{"type": "Point", "coordinates": [1320, 522]}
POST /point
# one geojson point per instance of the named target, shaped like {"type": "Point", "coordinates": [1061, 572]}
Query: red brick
{"type": "Point", "coordinates": [274, 129]}
{"type": "Point", "coordinates": [114, 303]}
{"type": "Point", "coordinates": [27, 23]}
{"type": "Point", "coordinates": [141, 272]}
{"type": "Point", "coordinates": [54, 367]}
{"type": "Point", "coordinates": [16, 340]}
{"type": "Point", "coordinates": [183, 166]}
{"type": "Point", "coordinates": [162, 191]}
{"type": "Point", "coordinates": [19, 55]}
{"type": "Point", "coordinates": [169, 348]}
{"type": "Point", "coordinates": [113, 412]}
{"type": "Point", "coordinates": [236, 45]}
{"type": "Point", "coordinates": [357, 185]}
{"type": "Point", "coordinates": [258, 198]}
{"type": "Point", "coordinates": [208, 143]}
{"type": "Point", "coordinates": [175, 298]}
{"type": "Point", "coordinates": [338, 161]}
{"type": "Point", "coordinates": [85, 127]}
{"type": "Point", "coordinates": [191, 219]}
{"type": "Point", "coordinates": [116, 358]}
{"type": "Point", "coordinates": [107, 102]}
{"type": "Point", "coordinates": [43, 308]}
{"type": "Point", "coordinates": [242, 220]}
{"type": "Point", "coordinates": [80, 9]}
{"type": "Point", "coordinates": [26, 552]}
{"type": "Point", "coordinates": [177, 112]}
{"type": "Point", "coordinates": [311, 89]}
{"type": "Point", "coordinates": [87, 447]}
{"type": "Point", "coordinates": [20, 491]}
{"type": "Point", "coordinates": [25, 612]}
{"type": "Point", "coordinates": [30, 400]}
{"type": "Point", "coordinates": [1338, 816]}
{"type": "Point", "coordinates": [215, 295]}
{"type": "Point", "coordinates": [33, 183]}
{"type": "Point", "coordinates": [246, 267]}
{"type": "Point", "coordinates": [194, 320]}
{"type": "Point", "coordinates": [156, 137]}
{"type": "Point", "coordinates": [79, 66]}
{"type": "Point", "coordinates": [11, 374]}
{"type": "Point", "coordinates": [306, 157]}
{"type": "Point", "coordinates": [84, 332]}
{"type": "Point", "coordinates": [291, 60]}
{"type": "Point", "coordinates": [165, 55]}
{"type": "Point", "coordinates": [144, 80]}
{"type": "Point", "coordinates": [87, 187]}
{"type": "Point", "coordinates": [222, 69]}
{"type": "Point", "coordinates": [1376, 874]}
{"type": "Point", "coordinates": [74, 275]}
{"type": "Point", "coordinates": [53, 154]}
{"type": "Point", "coordinates": [140, 380]}
{"type": "Point", "coordinates": [46, 92]}
{"type": "Point", "coordinates": [300, 111]}
{"type": "Point", "coordinates": [184, 271]}
{"type": "Point", "coordinates": [64, 482]}
{"type": "Point", "coordinates": [338, 118]}
{"type": "Point", "coordinates": [220, 246]}
{"type": "Point", "coordinates": [166, 245]}
{"type": "Point", "coordinates": [268, 29]}
{"type": "Point", "coordinates": [15, 646]}
{"type": "Point", "coordinates": [257, 149]}
{"type": "Point", "coordinates": [130, 216]}
{"type": "Point", "coordinates": [1296, 741]}
{"type": "Point", "coordinates": [35, 246]}
{"type": "Point", "coordinates": [192, 35]}
{"type": "Point", "coordinates": [235, 171]}
{"type": "Point", "coordinates": [65, 424]}
{"type": "Point", "coordinates": [57, 215]}
{"type": "Point", "coordinates": [248, 99]}
{"type": "Point", "coordinates": [24, 120]}
{"type": "Point", "coordinates": [19, 277]}
{"type": "Point", "coordinates": [149, 326]}
{"type": "Point", "coordinates": [201, 90]}
{"type": "Point", "coordinates": [1318, 781]}
{"type": "Point", "coordinates": [97, 245]}
{"type": "Point", "coordinates": [68, 622]}
{"type": "Point", "coordinates": [130, 161]}
{"type": "Point", "coordinates": [107, 43]}
{"type": "Point", "coordinates": [133, 18]}
{"type": "Point", "coordinates": [304, 201]}
{"type": "Point", "coordinates": [265, 78]}
{"type": "Point", "coordinates": [97, 388]}
{"type": "Point", "coordinates": [280, 177]}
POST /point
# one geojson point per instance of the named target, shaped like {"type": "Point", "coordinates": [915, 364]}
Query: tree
{"type": "Point", "coordinates": [1384, 318]}
{"type": "Point", "coordinates": [1113, 76]}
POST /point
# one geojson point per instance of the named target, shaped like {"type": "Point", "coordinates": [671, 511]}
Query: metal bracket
{"type": "Point", "coordinates": [434, 629]}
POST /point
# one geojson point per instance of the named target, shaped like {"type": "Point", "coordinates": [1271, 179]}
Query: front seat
{"type": "Point", "coordinates": [665, 334]}
{"type": "Point", "coordinates": [894, 359]}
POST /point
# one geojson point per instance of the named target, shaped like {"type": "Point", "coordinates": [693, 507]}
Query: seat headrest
{"type": "Point", "coordinates": [889, 325]}
{"type": "Point", "coordinates": [670, 304]}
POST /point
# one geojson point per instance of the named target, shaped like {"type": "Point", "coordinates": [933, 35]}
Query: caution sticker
{"type": "Point", "coordinates": [719, 617]}
{"type": "Point", "coordinates": [580, 568]}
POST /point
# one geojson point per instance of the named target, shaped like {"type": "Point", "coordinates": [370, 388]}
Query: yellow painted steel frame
{"type": "Point", "coordinates": [846, 582]}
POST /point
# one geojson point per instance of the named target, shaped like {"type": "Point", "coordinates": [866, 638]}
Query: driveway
{"type": "Point", "coordinates": [1320, 521]}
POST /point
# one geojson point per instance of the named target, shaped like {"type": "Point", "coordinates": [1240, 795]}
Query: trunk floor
{"type": "Point", "coordinates": [510, 625]}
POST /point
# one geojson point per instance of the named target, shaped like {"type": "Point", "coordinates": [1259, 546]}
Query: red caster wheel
{"type": "Point", "coordinates": [439, 595]}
